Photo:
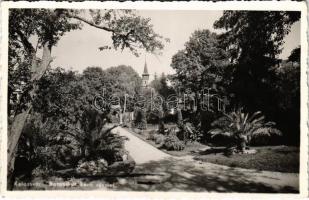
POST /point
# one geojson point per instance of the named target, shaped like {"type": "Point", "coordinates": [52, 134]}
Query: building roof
{"type": "Point", "coordinates": [145, 69]}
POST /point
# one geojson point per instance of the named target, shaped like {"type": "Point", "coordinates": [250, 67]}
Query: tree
{"type": "Point", "coordinates": [57, 111]}
{"type": "Point", "coordinates": [128, 30]}
{"type": "Point", "coordinates": [125, 80]}
{"type": "Point", "coordinates": [266, 29]}
{"type": "Point", "coordinates": [201, 64]}
{"type": "Point", "coordinates": [161, 86]}
{"type": "Point", "coordinates": [76, 129]}
{"type": "Point", "coordinates": [295, 55]}
{"type": "Point", "coordinates": [286, 90]}
{"type": "Point", "coordinates": [98, 79]}
{"type": "Point", "coordinates": [125, 84]}
{"type": "Point", "coordinates": [119, 84]}
{"type": "Point", "coordinates": [254, 40]}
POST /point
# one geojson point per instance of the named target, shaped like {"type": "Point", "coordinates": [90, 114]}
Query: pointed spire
{"type": "Point", "coordinates": [145, 68]}
{"type": "Point", "coordinates": [145, 75]}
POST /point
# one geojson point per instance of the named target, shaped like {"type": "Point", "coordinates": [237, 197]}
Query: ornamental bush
{"type": "Point", "coordinates": [241, 128]}
{"type": "Point", "coordinates": [140, 119]}
{"type": "Point", "coordinates": [172, 142]}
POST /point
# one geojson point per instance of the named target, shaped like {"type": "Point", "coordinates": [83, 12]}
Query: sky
{"type": "Point", "coordinates": [79, 49]}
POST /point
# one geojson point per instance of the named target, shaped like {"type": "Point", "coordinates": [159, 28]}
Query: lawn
{"type": "Point", "coordinates": [269, 158]}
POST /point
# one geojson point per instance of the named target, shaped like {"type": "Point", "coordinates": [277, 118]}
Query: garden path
{"type": "Point", "coordinates": [186, 174]}
{"type": "Point", "coordinates": [141, 151]}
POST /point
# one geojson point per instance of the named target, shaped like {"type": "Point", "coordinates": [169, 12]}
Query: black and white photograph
{"type": "Point", "coordinates": [154, 100]}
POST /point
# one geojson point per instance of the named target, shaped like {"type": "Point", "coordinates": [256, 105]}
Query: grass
{"type": "Point", "coordinates": [269, 158]}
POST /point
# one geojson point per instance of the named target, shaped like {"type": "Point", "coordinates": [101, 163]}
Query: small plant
{"type": "Point", "coordinates": [187, 132]}
{"type": "Point", "coordinates": [92, 168]}
{"type": "Point", "coordinates": [241, 128]}
{"type": "Point", "coordinates": [157, 138]}
{"type": "Point", "coordinates": [172, 142]}
{"type": "Point", "coordinates": [151, 136]}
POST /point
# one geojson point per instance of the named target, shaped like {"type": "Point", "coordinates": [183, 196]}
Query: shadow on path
{"type": "Point", "coordinates": [185, 174]}
{"type": "Point", "coordinates": [185, 177]}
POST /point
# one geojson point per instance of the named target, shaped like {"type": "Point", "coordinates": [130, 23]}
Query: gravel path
{"type": "Point", "coordinates": [141, 151]}
{"type": "Point", "coordinates": [186, 174]}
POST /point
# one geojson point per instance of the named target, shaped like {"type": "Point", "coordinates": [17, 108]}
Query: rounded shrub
{"type": "Point", "coordinates": [172, 143]}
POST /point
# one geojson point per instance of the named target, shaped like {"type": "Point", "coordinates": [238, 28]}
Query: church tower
{"type": "Point", "coordinates": [145, 76]}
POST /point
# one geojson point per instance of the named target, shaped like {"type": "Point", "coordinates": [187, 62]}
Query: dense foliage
{"type": "Point", "coordinates": [201, 64]}
{"type": "Point", "coordinates": [54, 125]}
{"type": "Point", "coordinates": [140, 118]}
{"type": "Point", "coordinates": [172, 143]}
{"type": "Point", "coordinates": [254, 40]}
{"type": "Point", "coordinates": [160, 85]}
{"type": "Point", "coordinates": [74, 129]}
{"type": "Point", "coordinates": [114, 83]}
{"type": "Point", "coordinates": [128, 31]}
{"type": "Point", "coordinates": [169, 141]}
{"type": "Point", "coordinates": [241, 66]}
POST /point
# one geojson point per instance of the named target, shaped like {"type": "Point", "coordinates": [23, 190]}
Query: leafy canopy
{"type": "Point", "coordinates": [127, 28]}
{"type": "Point", "coordinates": [202, 62]}
{"type": "Point", "coordinates": [254, 40]}
{"type": "Point", "coordinates": [255, 33]}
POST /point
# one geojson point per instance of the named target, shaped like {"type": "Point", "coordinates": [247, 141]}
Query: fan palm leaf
{"type": "Point", "coordinates": [238, 124]}
{"type": "Point", "coordinates": [216, 132]}
{"type": "Point", "coordinates": [254, 115]}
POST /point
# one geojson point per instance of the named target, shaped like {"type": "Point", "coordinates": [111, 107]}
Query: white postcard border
{"type": "Point", "coordinates": [253, 5]}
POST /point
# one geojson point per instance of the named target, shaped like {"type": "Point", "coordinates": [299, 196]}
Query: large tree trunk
{"type": "Point", "coordinates": [19, 120]}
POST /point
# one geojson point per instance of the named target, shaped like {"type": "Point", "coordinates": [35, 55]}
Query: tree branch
{"type": "Point", "coordinates": [91, 23]}
{"type": "Point", "coordinates": [28, 46]}
{"type": "Point", "coordinates": [123, 37]}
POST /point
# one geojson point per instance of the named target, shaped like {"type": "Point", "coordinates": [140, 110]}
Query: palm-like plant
{"type": "Point", "coordinates": [241, 127]}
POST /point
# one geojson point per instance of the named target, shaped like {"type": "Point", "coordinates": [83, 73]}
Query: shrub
{"type": "Point", "coordinates": [91, 168]}
{"type": "Point", "coordinates": [140, 119]}
{"type": "Point", "coordinates": [242, 128]}
{"type": "Point", "coordinates": [265, 140]}
{"type": "Point", "coordinates": [57, 146]}
{"type": "Point", "coordinates": [188, 133]}
{"type": "Point", "coordinates": [152, 117]}
{"type": "Point", "coordinates": [108, 146]}
{"type": "Point", "coordinates": [172, 143]}
{"type": "Point", "coordinates": [151, 136]}
{"type": "Point", "coordinates": [206, 118]}
{"type": "Point", "coordinates": [157, 138]}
